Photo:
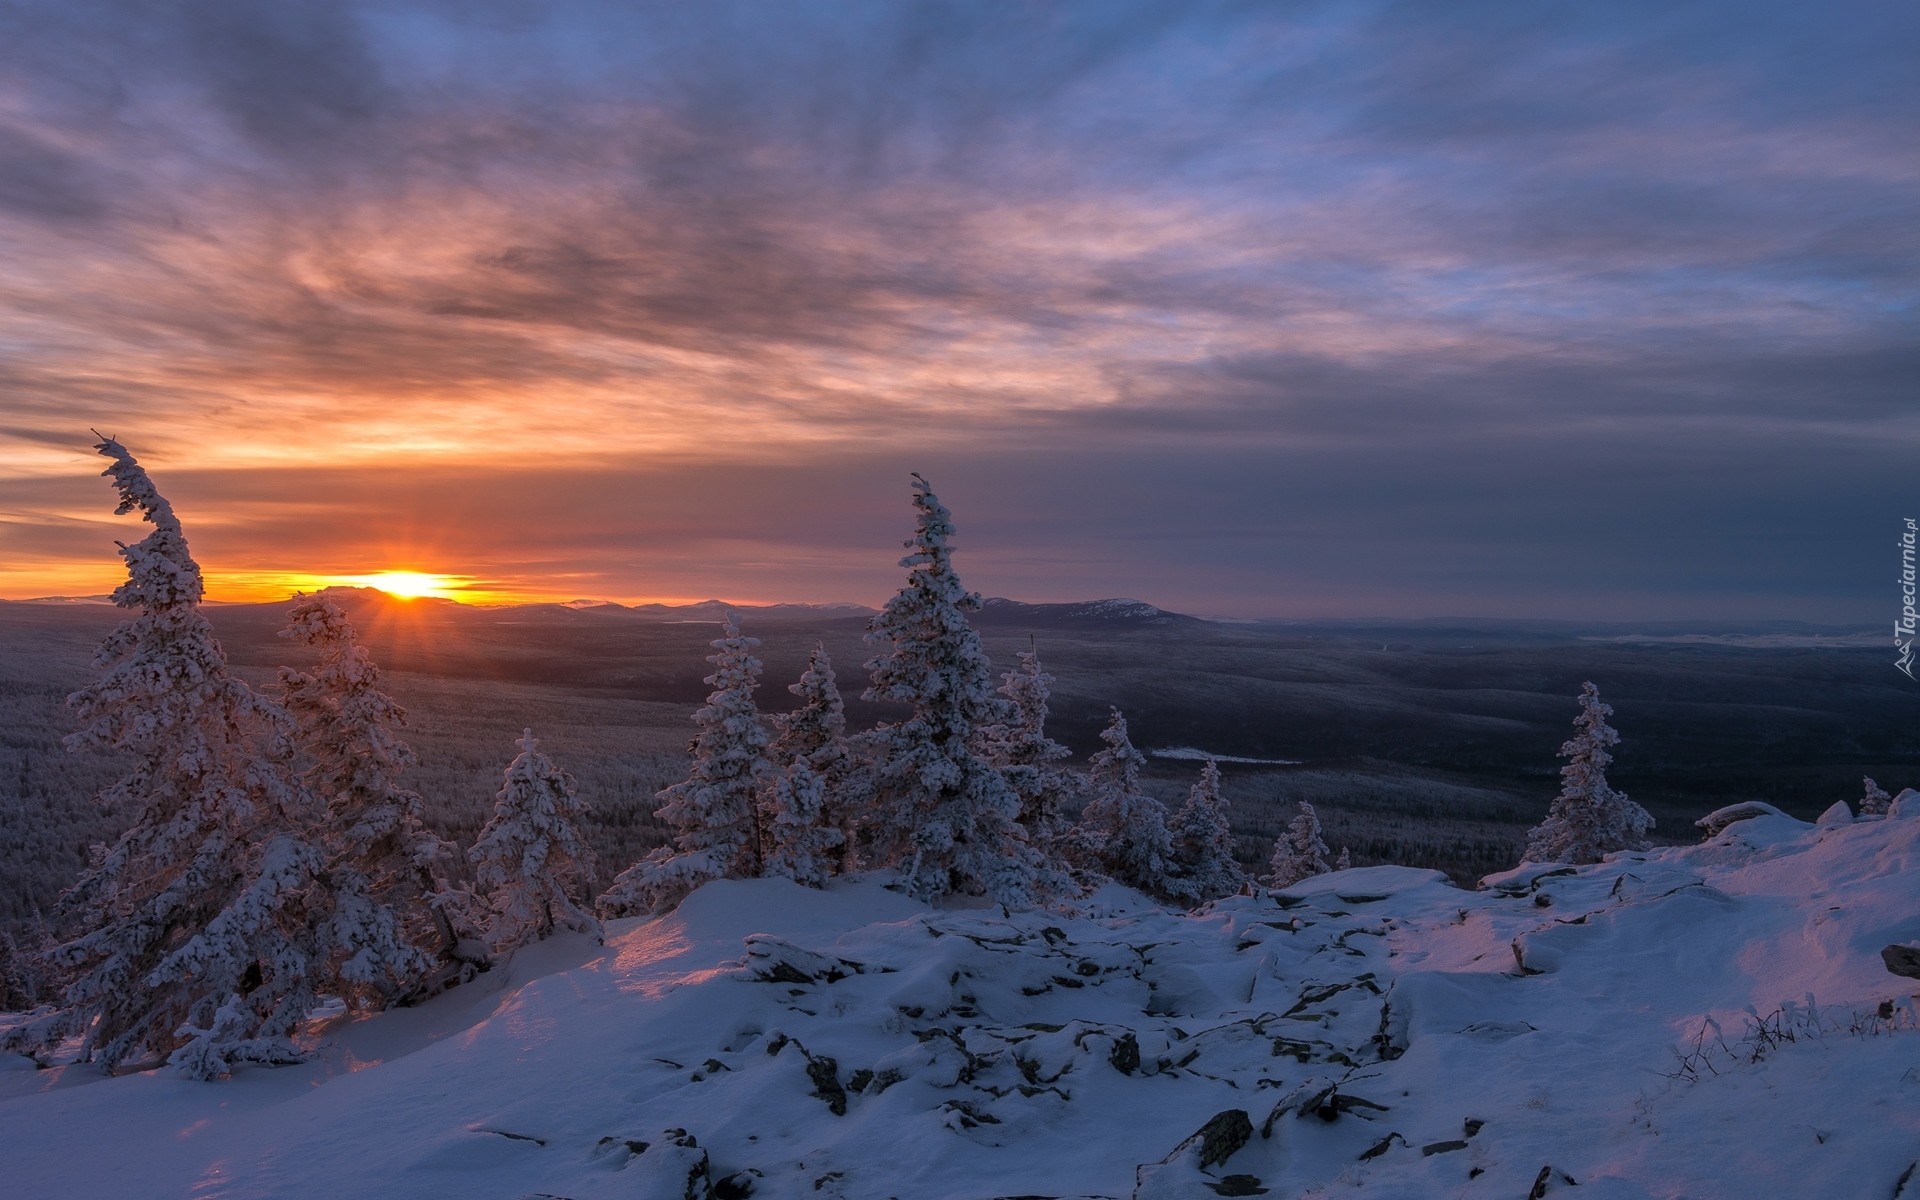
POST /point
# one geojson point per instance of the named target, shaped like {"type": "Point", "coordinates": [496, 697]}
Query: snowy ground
{"type": "Point", "coordinates": [1383, 1033]}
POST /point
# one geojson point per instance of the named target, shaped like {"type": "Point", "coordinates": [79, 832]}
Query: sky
{"type": "Point", "coordinates": [1597, 312]}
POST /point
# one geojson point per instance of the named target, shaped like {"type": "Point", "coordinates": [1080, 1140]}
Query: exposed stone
{"type": "Point", "coordinates": [1222, 1137]}
{"type": "Point", "coordinates": [1902, 960]}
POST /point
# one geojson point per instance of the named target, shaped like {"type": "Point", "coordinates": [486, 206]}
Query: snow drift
{"type": "Point", "coordinates": [1712, 1021]}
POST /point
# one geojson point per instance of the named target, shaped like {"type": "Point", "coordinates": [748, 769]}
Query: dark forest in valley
{"type": "Point", "coordinates": [1429, 744]}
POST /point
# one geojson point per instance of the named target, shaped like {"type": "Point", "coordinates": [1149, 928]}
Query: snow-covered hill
{"type": "Point", "coordinates": [1713, 1021]}
{"type": "Point", "coordinates": [1085, 614]}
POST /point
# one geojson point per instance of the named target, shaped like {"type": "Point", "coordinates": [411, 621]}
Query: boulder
{"type": "Point", "coordinates": [1720, 818]}
{"type": "Point", "coordinates": [673, 1167]}
{"type": "Point", "coordinates": [1906, 804]}
{"type": "Point", "coordinates": [1186, 1168]}
{"type": "Point", "coordinates": [1902, 960]}
{"type": "Point", "coordinates": [1839, 814]}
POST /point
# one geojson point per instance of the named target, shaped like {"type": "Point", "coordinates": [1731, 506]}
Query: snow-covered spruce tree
{"type": "Point", "coordinates": [801, 846]}
{"type": "Point", "coordinates": [813, 800]}
{"type": "Point", "coordinates": [202, 932]}
{"type": "Point", "coordinates": [717, 809]}
{"type": "Point", "coordinates": [1588, 820]}
{"type": "Point", "coordinates": [1021, 749]}
{"type": "Point", "coordinates": [1122, 830]}
{"type": "Point", "coordinates": [530, 859]}
{"type": "Point", "coordinates": [405, 929]}
{"type": "Point", "coordinates": [1345, 861]}
{"type": "Point", "coordinates": [948, 817]}
{"type": "Point", "coordinates": [1203, 865]}
{"type": "Point", "coordinates": [1876, 799]}
{"type": "Point", "coordinates": [1300, 852]}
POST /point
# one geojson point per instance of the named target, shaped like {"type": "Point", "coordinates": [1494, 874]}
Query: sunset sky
{"type": "Point", "coordinates": [1506, 309]}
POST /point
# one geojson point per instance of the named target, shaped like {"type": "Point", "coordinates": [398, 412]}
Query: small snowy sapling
{"type": "Point", "coordinates": [815, 799]}
{"type": "Point", "coordinates": [1021, 749]}
{"type": "Point", "coordinates": [1588, 820]}
{"type": "Point", "coordinates": [530, 859]}
{"type": "Point", "coordinates": [1204, 868]}
{"type": "Point", "coordinates": [1300, 852]}
{"type": "Point", "coordinates": [1122, 830]}
{"type": "Point", "coordinates": [1876, 798]}
{"type": "Point", "coordinates": [717, 810]}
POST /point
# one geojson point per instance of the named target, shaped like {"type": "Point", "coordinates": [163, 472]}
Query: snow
{"type": "Point", "coordinates": [1191, 754]}
{"type": "Point", "coordinates": [1384, 1033]}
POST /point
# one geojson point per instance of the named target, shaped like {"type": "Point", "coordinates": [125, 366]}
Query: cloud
{"type": "Point", "coordinates": [547, 237]}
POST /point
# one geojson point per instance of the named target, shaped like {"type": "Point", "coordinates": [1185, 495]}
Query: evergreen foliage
{"type": "Point", "coordinates": [801, 845]}
{"type": "Point", "coordinates": [1020, 748]}
{"type": "Point", "coordinates": [1876, 799]}
{"type": "Point", "coordinates": [1588, 820]}
{"type": "Point", "coordinates": [813, 803]}
{"type": "Point", "coordinates": [530, 860]}
{"type": "Point", "coordinates": [401, 921]}
{"type": "Point", "coordinates": [717, 810]}
{"type": "Point", "coordinates": [1203, 864]}
{"type": "Point", "coordinates": [1300, 852]}
{"type": "Point", "coordinates": [1122, 830]}
{"type": "Point", "coordinates": [946, 815]}
{"type": "Point", "coordinates": [203, 931]}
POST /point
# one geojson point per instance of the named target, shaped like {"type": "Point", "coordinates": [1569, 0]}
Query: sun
{"type": "Point", "coordinates": [408, 585]}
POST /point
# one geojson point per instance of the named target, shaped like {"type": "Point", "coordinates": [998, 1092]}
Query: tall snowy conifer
{"type": "Point", "coordinates": [1588, 820]}
{"type": "Point", "coordinates": [1300, 852]}
{"type": "Point", "coordinates": [530, 858]}
{"type": "Point", "coordinates": [1876, 799]}
{"type": "Point", "coordinates": [403, 924]}
{"type": "Point", "coordinates": [1203, 865]}
{"type": "Point", "coordinates": [947, 815]}
{"type": "Point", "coordinates": [1029, 759]}
{"type": "Point", "coordinates": [812, 802]}
{"type": "Point", "coordinates": [1122, 830]}
{"type": "Point", "coordinates": [203, 929]}
{"type": "Point", "coordinates": [717, 809]}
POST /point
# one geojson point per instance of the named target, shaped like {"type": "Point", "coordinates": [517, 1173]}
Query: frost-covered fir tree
{"type": "Point", "coordinates": [405, 929]}
{"type": "Point", "coordinates": [1300, 852]}
{"type": "Point", "coordinates": [717, 810]}
{"type": "Point", "coordinates": [530, 859]}
{"type": "Point", "coordinates": [948, 816]}
{"type": "Point", "coordinates": [1345, 861]}
{"type": "Point", "coordinates": [813, 802]}
{"type": "Point", "coordinates": [1588, 820]}
{"type": "Point", "coordinates": [1030, 759]}
{"type": "Point", "coordinates": [801, 846]}
{"type": "Point", "coordinates": [1122, 830]}
{"type": "Point", "coordinates": [1876, 799]}
{"type": "Point", "coordinates": [1203, 864]}
{"type": "Point", "coordinates": [203, 931]}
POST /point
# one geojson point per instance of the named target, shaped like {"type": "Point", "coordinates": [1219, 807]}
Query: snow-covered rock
{"type": "Point", "coordinates": [1838, 813]}
{"type": "Point", "coordinates": [1906, 804]}
{"type": "Point", "coordinates": [1746, 810]}
{"type": "Point", "coordinates": [1712, 1021]}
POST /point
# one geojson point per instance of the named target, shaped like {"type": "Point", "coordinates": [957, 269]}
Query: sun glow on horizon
{"type": "Point", "coordinates": [245, 587]}
{"type": "Point", "coordinates": [410, 585]}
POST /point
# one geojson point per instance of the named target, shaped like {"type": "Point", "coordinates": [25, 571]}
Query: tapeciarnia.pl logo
{"type": "Point", "coordinates": [1903, 628]}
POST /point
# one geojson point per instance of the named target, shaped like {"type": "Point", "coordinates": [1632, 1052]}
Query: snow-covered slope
{"type": "Point", "coordinates": [1375, 1032]}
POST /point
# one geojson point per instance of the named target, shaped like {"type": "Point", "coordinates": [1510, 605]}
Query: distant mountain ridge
{"type": "Point", "coordinates": [999, 610]}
